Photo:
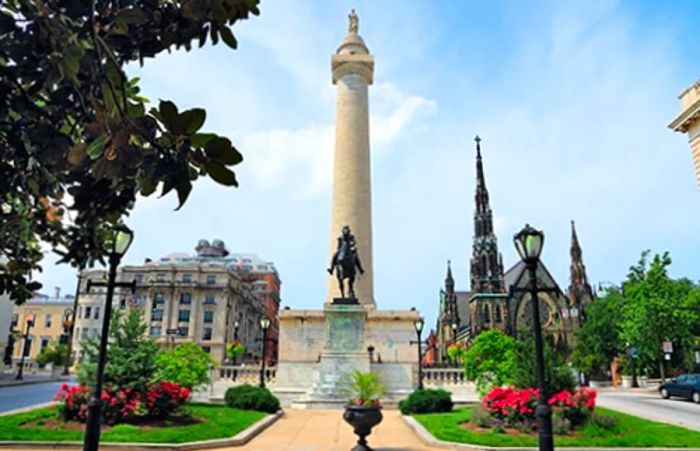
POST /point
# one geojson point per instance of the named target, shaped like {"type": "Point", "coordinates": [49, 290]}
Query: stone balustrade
{"type": "Point", "coordinates": [444, 376]}
{"type": "Point", "coordinates": [246, 374]}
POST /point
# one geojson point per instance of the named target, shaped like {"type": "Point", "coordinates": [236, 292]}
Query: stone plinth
{"type": "Point", "coordinates": [314, 353]}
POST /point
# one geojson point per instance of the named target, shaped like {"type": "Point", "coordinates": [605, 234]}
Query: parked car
{"type": "Point", "coordinates": [684, 386]}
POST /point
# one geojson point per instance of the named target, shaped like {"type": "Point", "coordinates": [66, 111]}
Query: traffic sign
{"type": "Point", "coordinates": [668, 347]}
{"type": "Point", "coordinates": [173, 331]}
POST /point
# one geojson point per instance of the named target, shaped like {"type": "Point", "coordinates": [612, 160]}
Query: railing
{"type": "Point", "coordinates": [245, 374]}
{"type": "Point", "coordinates": [444, 376]}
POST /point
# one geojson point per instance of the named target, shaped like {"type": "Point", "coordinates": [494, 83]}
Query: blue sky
{"type": "Point", "coordinates": [572, 100]}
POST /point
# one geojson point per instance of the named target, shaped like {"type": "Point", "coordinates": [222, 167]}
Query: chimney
{"type": "Point", "coordinates": [57, 292]}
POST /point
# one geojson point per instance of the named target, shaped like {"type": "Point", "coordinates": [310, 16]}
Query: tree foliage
{"type": "Point", "coordinates": [78, 141]}
{"type": "Point", "coordinates": [490, 361]}
{"type": "Point", "coordinates": [187, 365]}
{"type": "Point", "coordinates": [598, 341]}
{"type": "Point", "coordinates": [558, 374]}
{"type": "Point", "coordinates": [131, 357]}
{"type": "Point", "coordinates": [54, 353]}
{"type": "Point", "coordinates": [658, 308]}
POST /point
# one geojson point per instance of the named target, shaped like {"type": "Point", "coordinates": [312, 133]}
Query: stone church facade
{"type": "Point", "coordinates": [498, 299]}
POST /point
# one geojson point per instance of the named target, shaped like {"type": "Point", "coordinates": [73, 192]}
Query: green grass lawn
{"type": "Point", "coordinates": [215, 422]}
{"type": "Point", "coordinates": [630, 432]}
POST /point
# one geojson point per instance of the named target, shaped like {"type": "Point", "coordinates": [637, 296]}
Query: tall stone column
{"type": "Point", "coordinates": [689, 122]}
{"type": "Point", "coordinates": [353, 68]}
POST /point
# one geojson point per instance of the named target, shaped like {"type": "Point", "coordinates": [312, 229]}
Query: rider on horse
{"type": "Point", "coordinates": [345, 260]}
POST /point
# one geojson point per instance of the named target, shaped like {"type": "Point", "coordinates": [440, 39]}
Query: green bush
{"type": "Point", "coordinates": [250, 397]}
{"type": "Point", "coordinates": [481, 418]}
{"type": "Point", "coordinates": [603, 421]}
{"type": "Point", "coordinates": [426, 401]}
{"type": "Point", "coordinates": [188, 365]}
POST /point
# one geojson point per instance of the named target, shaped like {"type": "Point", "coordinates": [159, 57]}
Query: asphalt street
{"type": "Point", "coordinates": [20, 396]}
{"type": "Point", "coordinates": [650, 405]}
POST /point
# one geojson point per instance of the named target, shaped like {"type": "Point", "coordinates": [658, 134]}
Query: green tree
{"type": "Point", "coordinates": [77, 138]}
{"type": "Point", "coordinates": [131, 357]}
{"type": "Point", "coordinates": [657, 309]}
{"type": "Point", "coordinates": [54, 353]}
{"type": "Point", "coordinates": [558, 374]}
{"type": "Point", "coordinates": [188, 365]}
{"type": "Point", "coordinates": [598, 340]}
{"type": "Point", "coordinates": [490, 361]}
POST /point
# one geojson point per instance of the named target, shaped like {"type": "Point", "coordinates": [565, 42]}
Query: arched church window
{"type": "Point", "coordinates": [487, 316]}
{"type": "Point", "coordinates": [499, 316]}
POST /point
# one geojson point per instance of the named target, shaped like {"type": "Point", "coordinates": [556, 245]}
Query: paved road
{"type": "Point", "coordinates": [20, 396]}
{"type": "Point", "coordinates": [650, 405]}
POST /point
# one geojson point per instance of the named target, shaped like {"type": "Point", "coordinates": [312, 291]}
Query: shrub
{"type": "Point", "coordinates": [481, 417]}
{"type": "Point", "coordinates": [122, 405]}
{"type": "Point", "coordinates": [575, 407]}
{"type": "Point", "coordinates": [560, 425]}
{"type": "Point", "coordinates": [187, 365]}
{"type": "Point", "coordinates": [249, 397]}
{"type": "Point", "coordinates": [364, 389]}
{"type": "Point", "coordinates": [426, 401]}
{"type": "Point", "coordinates": [511, 405]}
{"type": "Point", "coordinates": [54, 354]}
{"type": "Point", "coordinates": [603, 421]}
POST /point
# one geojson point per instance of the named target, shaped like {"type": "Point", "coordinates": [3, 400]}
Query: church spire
{"type": "Point", "coordinates": [579, 289]}
{"type": "Point", "coordinates": [449, 281]}
{"type": "Point", "coordinates": [450, 314]}
{"type": "Point", "coordinates": [486, 263]}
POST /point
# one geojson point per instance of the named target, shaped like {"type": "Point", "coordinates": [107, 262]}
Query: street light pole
{"type": "Point", "coordinates": [264, 325]}
{"type": "Point", "coordinates": [418, 324]}
{"type": "Point", "coordinates": [119, 245]}
{"type": "Point", "coordinates": [529, 244]}
{"type": "Point", "coordinates": [30, 323]}
{"type": "Point", "coordinates": [69, 346]}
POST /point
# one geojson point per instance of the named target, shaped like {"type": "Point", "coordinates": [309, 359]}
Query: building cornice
{"type": "Point", "coordinates": [362, 65]}
{"type": "Point", "coordinates": [683, 122]}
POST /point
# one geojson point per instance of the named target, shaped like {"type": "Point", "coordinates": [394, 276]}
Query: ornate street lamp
{"type": "Point", "coordinates": [264, 325]}
{"type": "Point", "coordinates": [236, 325]}
{"type": "Point", "coordinates": [418, 324]}
{"type": "Point", "coordinates": [529, 243]}
{"type": "Point", "coordinates": [29, 318]}
{"type": "Point", "coordinates": [115, 247]}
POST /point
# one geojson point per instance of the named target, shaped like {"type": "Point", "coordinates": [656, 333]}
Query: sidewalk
{"type": "Point", "coordinates": [325, 430]}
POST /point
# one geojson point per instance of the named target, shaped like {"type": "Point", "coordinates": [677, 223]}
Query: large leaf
{"type": "Point", "coordinates": [168, 112]}
{"type": "Point", "coordinates": [227, 36]}
{"type": "Point", "coordinates": [221, 150]}
{"type": "Point", "coordinates": [96, 147]}
{"type": "Point", "coordinates": [193, 119]}
{"type": "Point", "coordinates": [220, 173]}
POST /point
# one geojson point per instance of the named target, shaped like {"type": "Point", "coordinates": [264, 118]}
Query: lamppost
{"type": "Point", "coordinates": [30, 323]}
{"type": "Point", "coordinates": [418, 324]}
{"type": "Point", "coordinates": [264, 325]}
{"type": "Point", "coordinates": [116, 247]}
{"type": "Point", "coordinates": [528, 243]}
{"type": "Point", "coordinates": [236, 325]}
{"type": "Point", "coordinates": [71, 326]}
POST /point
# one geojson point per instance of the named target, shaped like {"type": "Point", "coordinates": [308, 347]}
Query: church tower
{"type": "Point", "coordinates": [353, 69]}
{"type": "Point", "coordinates": [579, 293]}
{"type": "Point", "coordinates": [487, 304]}
{"type": "Point", "coordinates": [448, 321]}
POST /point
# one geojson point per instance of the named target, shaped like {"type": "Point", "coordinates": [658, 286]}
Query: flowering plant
{"type": "Point", "coordinates": [122, 405]}
{"type": "Point", "coordinates": [364, 389]}
{"type": "Point", "coordinates": [575, 407]}
{"type": "Point", "coordinates": [234, 348]}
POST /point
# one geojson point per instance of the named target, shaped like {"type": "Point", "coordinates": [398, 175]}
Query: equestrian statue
{"type": "Point", "coordinates": [345, 260]}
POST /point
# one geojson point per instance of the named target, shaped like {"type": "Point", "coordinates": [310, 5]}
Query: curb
{"type": "Point", "coordinates": [28, 408]}
{"type": "Point", "coordinates": [427, 438]}
{"type": "Point", "coordinates": [239, 439]}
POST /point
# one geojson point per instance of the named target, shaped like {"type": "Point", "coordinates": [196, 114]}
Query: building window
{"type": "Point", "coordinates": [183, 315]}
{"type": "Point", "coordinates": [499, 317]}
{"type": "Point", "coordinates": [159, 298]}
{"type": "Point", "coordinates": [211, 280]}
{"type": "Point", "coordinates": [187, 278]}
{"type": "Point", "coordinates": [122, 304]}
{"type": "Point", "coordinates": [47, 321]}
{"type": "Point", "coordinates": [44, 343]}
{"type": "Point", "coordinates": [183, 331]}
{"type": "Point", "coordinates": [487, 317]}
{"type": "Point", "coordinates": [138, 278]}
{"type": "Point", "coordinates": [210, 299]}
{"type": "Point", "coordinates": [206, 333]}
{"type": "Point", "coordinates": [208, 317]}
{"type": "Point", "coordinates": [97, 313]}
{"type": "Point", "coordinates": [88, 312]}
{"type": "Point", "coordinates": [155, 331]}
{"type": "Point", "coordinates": [186, 298]}
{"type": "Point", "coordinates": [83, 332]}
{"type": "Point", "coordinates": [160, 277]}
{"type": "Point", "coordinates": [206, 349]}
{"type": "Point", "coordinates": [15, 320]}
{"type": "Point", "coordinates": [157, 314]}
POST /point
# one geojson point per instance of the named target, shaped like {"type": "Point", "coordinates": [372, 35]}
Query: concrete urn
{"type": "Point", "coordinates": [362, 419]}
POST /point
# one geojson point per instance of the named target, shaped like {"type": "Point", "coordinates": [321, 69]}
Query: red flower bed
{"type": "Point", "coordinates": [517, 407]}
{"type": "Point", "coordinates": [124, 405]}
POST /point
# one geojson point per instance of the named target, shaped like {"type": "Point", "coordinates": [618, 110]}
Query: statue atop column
{"type": "Point", "coordinates": [344, 261]}
{"type": "Point", "coordinates": [354, 24]}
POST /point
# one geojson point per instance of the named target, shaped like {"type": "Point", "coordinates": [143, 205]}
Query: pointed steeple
{"type": "Point", "coordinates": [580, 291]}
{"type": "Point", "coordinates": [486, 262]}
{"type": "Point", "coordinates": [449, 281]}
{"type": "Point", "coordinates": [449, 314]}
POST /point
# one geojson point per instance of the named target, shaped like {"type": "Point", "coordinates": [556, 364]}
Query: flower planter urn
{"type": "Point", "coordinates": [362, 419]}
